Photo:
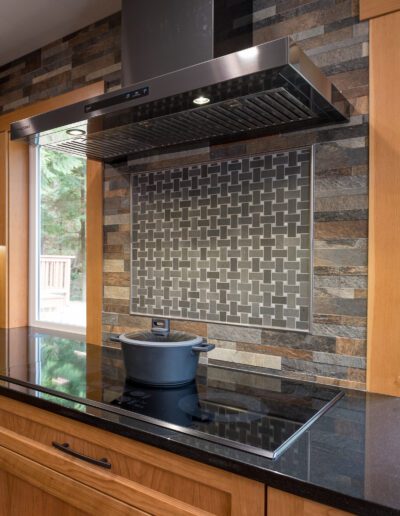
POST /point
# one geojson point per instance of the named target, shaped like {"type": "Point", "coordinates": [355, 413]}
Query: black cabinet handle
{"type": "Point", "coordinates": [65, 447]}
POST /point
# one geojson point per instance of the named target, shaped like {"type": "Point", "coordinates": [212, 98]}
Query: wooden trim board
{"type": "Point", "coordinates": [94, 252]}
{"type": "Point", "coordinates": [3, 185]}
{"type": "Point", "coordinates": [3, 287]}
{"type": "Point", "coordinates": [84, 93]}
{"type": "Point", "coordinates": [18, 234]}
{"type": "Point", "coordinates": [373, 8]}
{"type": "Point", "coordinates": [383, 356]}
{"type": "Point", "coordinates": [3, 229]}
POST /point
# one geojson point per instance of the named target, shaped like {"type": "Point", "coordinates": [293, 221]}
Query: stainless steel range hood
{"type": "Point", "coordinates": [264, 89]}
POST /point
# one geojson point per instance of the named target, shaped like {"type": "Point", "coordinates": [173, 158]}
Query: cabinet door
{"type": "Point", "coordinates": [286, 504]}
{"type": "Point", "coordinates": [20, 498]}
{"type": "Point", "coordinates": [28, 488]}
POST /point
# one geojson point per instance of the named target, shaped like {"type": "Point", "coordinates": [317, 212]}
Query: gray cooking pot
{"type": "Point", "coordinates": [167, 359]}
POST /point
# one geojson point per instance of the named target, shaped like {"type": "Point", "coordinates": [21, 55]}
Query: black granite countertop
{"type": "Point", "coordinates": [349, 458]}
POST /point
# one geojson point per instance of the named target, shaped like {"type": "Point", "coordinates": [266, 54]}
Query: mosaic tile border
{"type": "Point", "coordinates": [301, 326]}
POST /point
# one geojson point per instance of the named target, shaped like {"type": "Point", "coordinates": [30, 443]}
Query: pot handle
{"type": "Point", "coordinates": [203, 347]}
{"type": "Point", "coordinates": [115, 339]}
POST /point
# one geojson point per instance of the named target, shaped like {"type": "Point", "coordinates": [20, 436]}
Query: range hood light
{"type": "Point", "coordinates": [200, 101]}
{"type": "Point", "coordinates": [75, 132]}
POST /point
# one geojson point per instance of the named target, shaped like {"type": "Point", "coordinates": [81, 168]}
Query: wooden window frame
{"type": "Point", "coordinates": [14, 220]}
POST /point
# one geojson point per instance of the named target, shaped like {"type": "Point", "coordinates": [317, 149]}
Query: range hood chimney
{"type": "Point", "coordinates": [159, 36]}
{"type": "Point", "coordinates": [190, 75]}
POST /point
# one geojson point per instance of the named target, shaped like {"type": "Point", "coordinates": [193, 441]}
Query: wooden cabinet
{"type": "Point", "coordinates": [28, 488]}
{"type": "Point", "coordinates": [286, 504]}
{"type": "Point", "coordinates": [141, 480]}
{"type": "Point", "coordinates": [37, 477]}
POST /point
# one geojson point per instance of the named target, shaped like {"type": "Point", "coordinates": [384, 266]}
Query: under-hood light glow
{"type": "Point", "coordinates": [75, 132]}
{"type": "Point", "coordinates": [200, 101]}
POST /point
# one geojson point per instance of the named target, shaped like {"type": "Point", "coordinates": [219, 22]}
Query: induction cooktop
{"type": "Point", "coordinates": [254, 413]}
{"type": "Point", "coordinates": [264, 423]}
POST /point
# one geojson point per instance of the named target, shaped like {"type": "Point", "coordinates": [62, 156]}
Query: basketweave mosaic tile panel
{"type": "Point", "coordinates": [226, 242]}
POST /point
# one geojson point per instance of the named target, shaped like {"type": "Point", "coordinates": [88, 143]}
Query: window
{"type": "Point", "coordinates": [57, 240]}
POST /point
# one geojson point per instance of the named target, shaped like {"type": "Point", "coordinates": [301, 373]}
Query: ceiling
{"type": "Point", "coordinates": [26, 25]}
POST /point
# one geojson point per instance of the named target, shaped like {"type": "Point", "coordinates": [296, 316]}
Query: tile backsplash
{"type": "Point", "coordinates": [225, 242]}
{"type": "Point", "coordinates": [331, 34]}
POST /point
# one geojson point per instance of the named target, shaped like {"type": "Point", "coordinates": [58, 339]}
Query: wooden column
{"type": "Point", "coordinates": [383, 360]}
{"type": "Point", "coordinates": [94, 252]}
{"type": "Point", "coordinates": [3, 287]}
{"type": "Point", "coordinates": [18, 234]}
{"type": "Point", "coordinates": [3, 228]}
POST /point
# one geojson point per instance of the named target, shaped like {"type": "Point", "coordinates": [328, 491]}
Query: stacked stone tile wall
{"type": "Point", "coordinates": [81, 58]}
{"type": "Point", "coordinates": [329, 31]}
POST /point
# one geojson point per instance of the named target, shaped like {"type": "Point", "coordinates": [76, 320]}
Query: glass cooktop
{"type": "Point", "coordinates": [262, 422]}
{"type": "Point", "coordinates": [250, 412]}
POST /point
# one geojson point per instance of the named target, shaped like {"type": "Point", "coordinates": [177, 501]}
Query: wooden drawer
{"type": "Point", "coordinates": [29, 488]}
{"type": "Point", "coordinates": [139, 473]}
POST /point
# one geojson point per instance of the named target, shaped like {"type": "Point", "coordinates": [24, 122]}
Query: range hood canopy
{"type": "Point", "coordinates": [207, 84]}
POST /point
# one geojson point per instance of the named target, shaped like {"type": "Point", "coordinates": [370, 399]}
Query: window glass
{"type": "Point", "coordinates": [61, 233]}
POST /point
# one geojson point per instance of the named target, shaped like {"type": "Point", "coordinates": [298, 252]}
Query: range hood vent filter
{"type": "Point", "coordinates": [270, 109]}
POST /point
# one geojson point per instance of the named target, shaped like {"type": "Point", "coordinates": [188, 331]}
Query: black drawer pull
{"type": "Point", "coordinates": [64, 447]}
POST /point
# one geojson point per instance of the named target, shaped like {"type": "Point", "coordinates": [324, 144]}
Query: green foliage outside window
{"type": "Point", "coordinates": [63, 212]}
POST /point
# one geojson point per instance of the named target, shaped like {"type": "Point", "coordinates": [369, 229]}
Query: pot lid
{"type": "Point", "coordinates": [148, 338]}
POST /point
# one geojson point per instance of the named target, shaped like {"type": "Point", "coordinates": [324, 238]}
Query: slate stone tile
{"type": "Point", "coordinates": [341, 229]}
{"type": "Point", "coordinates": [340, 306]}
{"type": "Point", "coordinates": [341, 186]}
{"type": "Point", "coordinates": [298, 340]}
{"type": "Point", "coordinates": [338, 54]}
{"type": "Point", "coordinates": [353, 64]}
{"type": "Point", "coordinates": [341, 360]}
{"type": "Point", "coordinates": [340, 257]}
{"type": "Point", "coordinates": [329, 155]}
{"type": "Point", "coordinates": [314, 368]}
{"type": "Point", "coordinates": [327, 216]}
{"type": "Point", "coordinates": [335, 330]}
{"type": "Point", "coordinates": [355, 347]}
{"type": "Point", "coordinates": [234, 333]}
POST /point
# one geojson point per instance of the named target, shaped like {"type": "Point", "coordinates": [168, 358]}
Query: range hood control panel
{"type": "Point", "coordinates": [118, 99]}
